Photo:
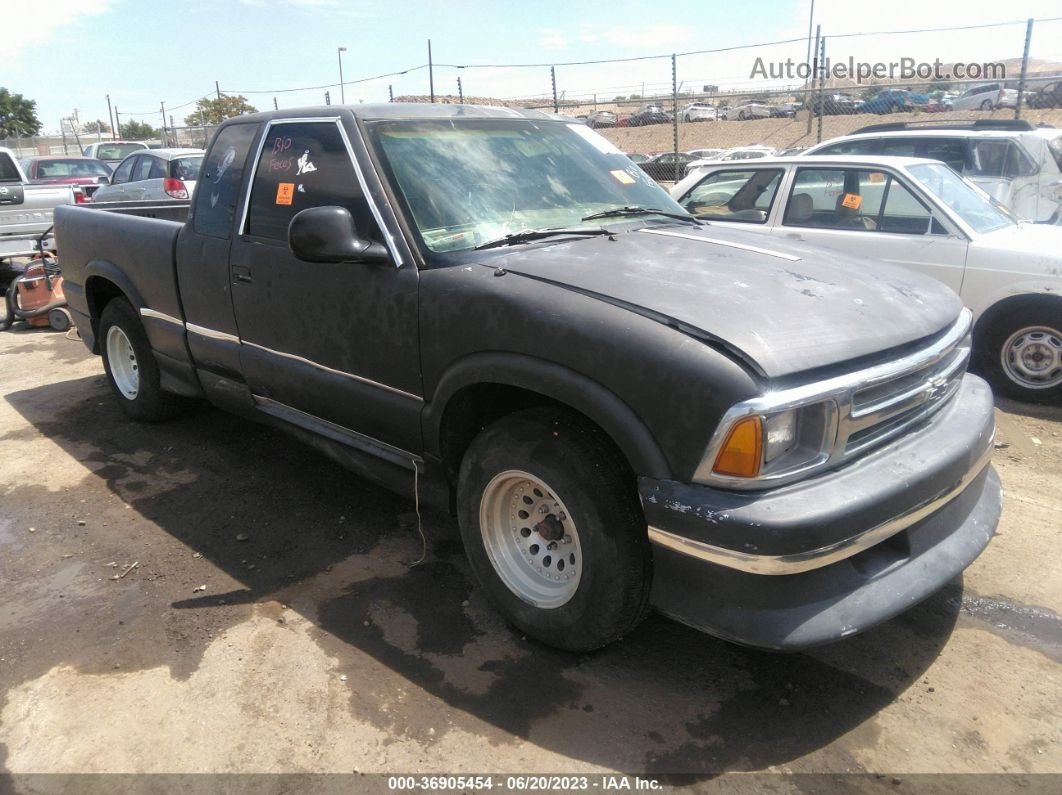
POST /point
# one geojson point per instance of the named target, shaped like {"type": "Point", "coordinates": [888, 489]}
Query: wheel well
{"type": "Point", "coordinates": [474, 407]}
{"type": "Point", "coordinates": [1013, 303]}
{"type": "Point", "coordinates": [98, 293]}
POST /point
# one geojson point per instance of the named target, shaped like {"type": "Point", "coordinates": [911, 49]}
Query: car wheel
{"type": "Point", "coordinates": [742, 116]}
{"type": "Point", "coordinates": [551, 524]}
{"type": "Point", "coordinates": [986, 105]}
{"type": "Point", "coordinates": [132, 371]}
{"type": "Point", "coordinates": [1021, 352]}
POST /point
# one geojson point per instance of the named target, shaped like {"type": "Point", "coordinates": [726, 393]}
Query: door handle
{"type": "Point", "coordinates": [241, 273]}
{"type": "Point", "coordinates": [794, 235]}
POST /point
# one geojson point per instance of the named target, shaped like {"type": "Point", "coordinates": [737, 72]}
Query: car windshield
{"type": "Point", "coordinates": [465, 182]}
{"type": "Point", "coordinates": [970, 204]}
{"type": "Point", "coordinates": [72, 168]}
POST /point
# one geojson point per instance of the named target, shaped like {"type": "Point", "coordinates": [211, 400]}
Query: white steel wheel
{"type": "Point", "coordinates": [122, 359]}
{"type": "Point", "coordinates": [1032, 357]}
{"type": "Point", "coordinates": [530, 538]}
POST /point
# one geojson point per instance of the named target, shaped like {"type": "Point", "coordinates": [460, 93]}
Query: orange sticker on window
{"type": "Point", "coordinates": [851, 200]}
{"type": "Point", "coordinates": [876, 177]}
{"type": "Point", "coordinates": [285, 193]}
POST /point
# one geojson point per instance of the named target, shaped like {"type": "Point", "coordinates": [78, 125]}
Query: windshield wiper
{"type": "Point", "coordinates": [527, 235]}
{"type": "Point", "coordinates": [620, 211]}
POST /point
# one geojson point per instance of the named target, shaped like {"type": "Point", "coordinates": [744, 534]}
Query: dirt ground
{"type": "Point", "coordinates": [207, 596]}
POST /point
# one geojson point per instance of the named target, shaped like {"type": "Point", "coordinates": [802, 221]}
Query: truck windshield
{"type": "Point", "coordinates": [970, 204]}
{"type": "Point", "coordinates": [465, 182]}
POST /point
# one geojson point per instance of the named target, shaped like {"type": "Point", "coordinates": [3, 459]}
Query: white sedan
{"type": "Point", "coordinates": [920, 214]}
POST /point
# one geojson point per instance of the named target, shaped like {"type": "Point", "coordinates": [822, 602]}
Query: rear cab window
{"type": "Point", "coordinates": [745, 196]}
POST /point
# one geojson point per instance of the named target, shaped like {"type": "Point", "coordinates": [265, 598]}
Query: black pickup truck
{"type": "Point", "coordinates": [624, 407]}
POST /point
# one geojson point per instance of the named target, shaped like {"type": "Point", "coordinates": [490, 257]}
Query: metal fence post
{"type": "Point", "coordinates": [553, 80]}
{"type": "Point", "coordinates": [810, 87]}
{"type": "Point", "coordinates": [822, 86]}
{"type": "Point", "coordinates": [674, 112]}
{"type": "Point", "coordinates": [1024, 68]}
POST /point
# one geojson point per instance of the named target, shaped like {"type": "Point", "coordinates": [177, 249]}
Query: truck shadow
{"type": "Point", "coordinates": [336, 549]}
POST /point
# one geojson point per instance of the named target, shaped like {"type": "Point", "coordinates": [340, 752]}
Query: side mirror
{"type": "Point", "coordinates": [103, 180]}
{"type": "Point", "coordinates": [328, 234]}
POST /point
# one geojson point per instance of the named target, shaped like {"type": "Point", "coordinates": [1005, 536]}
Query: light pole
{"type": "Point", "coordinates": [342, 93]}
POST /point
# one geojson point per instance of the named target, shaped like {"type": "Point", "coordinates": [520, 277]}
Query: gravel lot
{"type": "Point", "coordinates": [208, 596]}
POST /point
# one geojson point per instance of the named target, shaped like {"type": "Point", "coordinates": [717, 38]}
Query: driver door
{"type": "Point", "coordinates": [323, 344]}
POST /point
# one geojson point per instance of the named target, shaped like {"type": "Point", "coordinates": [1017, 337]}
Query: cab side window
{"type": "Point", "coordinates": [302, 165]}
{"type": "Point", "coordinates": [219, 177]}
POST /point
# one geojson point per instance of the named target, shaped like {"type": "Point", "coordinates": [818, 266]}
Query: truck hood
{"type": "Point", "coordinates": [783, 308]}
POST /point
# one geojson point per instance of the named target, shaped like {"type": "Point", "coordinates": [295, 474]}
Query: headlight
{"type": "Point", "coordinates": [770, 444]}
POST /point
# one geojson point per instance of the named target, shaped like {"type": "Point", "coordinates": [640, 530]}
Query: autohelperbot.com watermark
{"type": "Point", "coordinates": [851, 69]}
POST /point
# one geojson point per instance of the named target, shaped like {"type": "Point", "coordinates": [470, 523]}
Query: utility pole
{"type": "Point", "coordinates": [390, 94]}
{"type": "Point", "coordinates": [162, 105]}
{"type": "Point", "coordinates": [117, 123]}
{"type": "Point", "coordinates": [460, 92]}
{"type": "Point", "coordinates": [553, 80]}
{"type": "Point", "coordinates": [342, 91]}
{"type": "Point", "coordinates": [431, 73]}
{"type": "Point", "coordinates": [110, 118]}
{"type": "Point", "coordinates": [275, 105]}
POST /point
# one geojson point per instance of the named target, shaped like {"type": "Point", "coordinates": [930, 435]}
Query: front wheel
{"type": "Point", "coordinates": [986, 105]}
{"type": "Point", "coordinates": [1021, 353]}
{"type": "Point", "coordinates": [553, 531]}
{"type": "Point", "coordinates": [132, 371]}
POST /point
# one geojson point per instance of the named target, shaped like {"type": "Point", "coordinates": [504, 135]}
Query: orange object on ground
{"type": "Point", "coordinates": [33, 293]}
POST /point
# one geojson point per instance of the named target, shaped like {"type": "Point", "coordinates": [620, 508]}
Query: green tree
{"type": "Point", "coordinates": [138, 131]}
{"type": "Point", "coordinates": [18, 115]}
{"type": "Point", "coordinates": [215, 111]}
{"type": "Point", "coordinates": [96, 127]}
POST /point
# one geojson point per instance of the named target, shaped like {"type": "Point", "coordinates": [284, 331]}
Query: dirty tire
{"type": "Point", "coordinates": [987, 105]}
{"type": "Point", "coordinates": [150, 403]}
{"type": "Point", "coordinates": [601, 519]}
{"type": "Point", "coordinates": [1021, 352]}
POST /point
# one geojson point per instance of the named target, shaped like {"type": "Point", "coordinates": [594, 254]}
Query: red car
{"type": "Point", "coordinates": [87, 172]}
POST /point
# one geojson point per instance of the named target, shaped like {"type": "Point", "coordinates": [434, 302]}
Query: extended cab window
{"type": "Point", "coordinates": [304, 165]}
{"type": "Point", "coordinates": [219, 188]}
{"type": "Point", "coordinates": [744, 196]}
{"type": "Point", "coordinates": [856, 199]}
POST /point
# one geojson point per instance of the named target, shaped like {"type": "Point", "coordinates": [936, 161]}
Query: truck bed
{"type": "Point", "coordinates": [132, 244]}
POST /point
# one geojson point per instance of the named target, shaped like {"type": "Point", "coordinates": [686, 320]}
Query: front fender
{"type": "Point", "coordinates": [559, 383]}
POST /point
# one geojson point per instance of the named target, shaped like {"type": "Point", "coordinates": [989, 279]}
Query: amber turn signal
{"type": "Point", "coordinates": [742, 452]}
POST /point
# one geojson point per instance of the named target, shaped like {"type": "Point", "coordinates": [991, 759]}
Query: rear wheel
{"type": "Point", "coordinates": [553, 530]}
{"type": "Point", "coordinates": [986, 105]}
{"type": "Point", "coordinates": [130, 365]}
{"type": "Point", "coordinates": [1021, 353]}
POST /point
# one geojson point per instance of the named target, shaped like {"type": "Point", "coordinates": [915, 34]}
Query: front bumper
{"type": "Point", "coordinates": [825, 558]}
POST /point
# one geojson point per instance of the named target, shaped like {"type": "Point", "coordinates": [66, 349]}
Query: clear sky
{"type": "Point", "coordinates": [68, 54]}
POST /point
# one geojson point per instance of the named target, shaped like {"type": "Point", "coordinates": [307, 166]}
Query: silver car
{"type": "Point", "coordinates": [153, 175]}
{"type": "Point", "coordinates": [986, 97]}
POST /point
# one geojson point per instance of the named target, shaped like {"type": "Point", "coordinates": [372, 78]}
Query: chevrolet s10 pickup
{"type": "Point", "coordinates": [625, 407]}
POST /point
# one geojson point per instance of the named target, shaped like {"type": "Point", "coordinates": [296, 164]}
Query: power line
{"type": "Point", "coordinates": [329, 85]}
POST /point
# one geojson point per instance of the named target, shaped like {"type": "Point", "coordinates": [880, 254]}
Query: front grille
{"type": "Point", "coordinates": [884, 410]}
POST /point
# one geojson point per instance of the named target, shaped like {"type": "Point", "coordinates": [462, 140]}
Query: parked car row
{"type": "Point", "coordinates": [921, 214]}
